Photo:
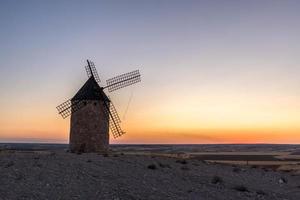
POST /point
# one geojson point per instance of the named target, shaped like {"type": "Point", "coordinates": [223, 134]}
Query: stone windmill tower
{"type": "Point", "coordinates": [93, 114]}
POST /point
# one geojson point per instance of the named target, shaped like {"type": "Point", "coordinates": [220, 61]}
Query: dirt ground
{"type": "Point", "coordinates": [115, 176]}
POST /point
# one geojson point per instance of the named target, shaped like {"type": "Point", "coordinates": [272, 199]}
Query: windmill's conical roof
{"type": "Point", "coordinates": [90, 91]}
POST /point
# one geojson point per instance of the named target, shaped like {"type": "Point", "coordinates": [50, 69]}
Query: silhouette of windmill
{"type": "Point", "coordinates": [93, 113]}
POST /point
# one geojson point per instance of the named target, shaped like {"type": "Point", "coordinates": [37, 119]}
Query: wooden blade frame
{"type": "Point", "coordinates": [114, 120]}
{"type": "Point", "coordinates": [67, 108]}
{"type": "Point", "coordinates": [92, 71]}
{"type": "Point", "coordinates": [123, 80]}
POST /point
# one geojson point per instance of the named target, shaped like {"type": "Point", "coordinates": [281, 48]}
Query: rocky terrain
{"type": "Point", "coordinates": [56, 174]}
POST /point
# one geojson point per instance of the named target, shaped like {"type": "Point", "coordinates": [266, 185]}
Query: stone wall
{"type": "Point", "coordinates": [89, 130]}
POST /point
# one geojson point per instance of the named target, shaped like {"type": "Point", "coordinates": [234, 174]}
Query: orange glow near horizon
{"type": "Point", "coordinates": [168, 137]}
{"type": "Point", "coordinates": [206, 121]}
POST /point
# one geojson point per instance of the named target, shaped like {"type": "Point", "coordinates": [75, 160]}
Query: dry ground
{"type": "Point", "coordinates": [61, 175]}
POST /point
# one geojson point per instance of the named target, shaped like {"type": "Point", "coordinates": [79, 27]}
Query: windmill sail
{"type": "Point", "coordinates": [114, 120]}
{"type": "Point", "coordinates": [67, 108]}
{"type": "Point", "coordinates": [123, 80]}
{"type": "Point", "coordinates": [92, 71]}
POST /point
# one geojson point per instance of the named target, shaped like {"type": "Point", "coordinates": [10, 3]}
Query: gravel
{"type": "Point", "coordinates": [61, 175]}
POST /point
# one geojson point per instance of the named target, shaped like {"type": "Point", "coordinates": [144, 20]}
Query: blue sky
{"type": "Point", "coordinates": [202, 57]}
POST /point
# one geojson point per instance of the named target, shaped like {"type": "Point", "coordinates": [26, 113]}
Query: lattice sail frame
{"type": "Point", "coordinates": [67, 108]}
{"type": "Point", "coordinates": [92, 71]}
{"type": "Point", "coordinates": [123, 80]}
{"type": "Point", "coordinates": [114, 120]}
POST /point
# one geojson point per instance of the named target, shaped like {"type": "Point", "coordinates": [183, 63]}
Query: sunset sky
{"type": "Point", "coordinates": [212, 71]}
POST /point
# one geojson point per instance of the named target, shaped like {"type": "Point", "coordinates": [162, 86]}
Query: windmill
{"type": "Point", "coordinates": [92, 112]}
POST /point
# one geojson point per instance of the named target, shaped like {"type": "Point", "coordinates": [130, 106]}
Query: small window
{"type": "Point", "coordinates": [95, 104]}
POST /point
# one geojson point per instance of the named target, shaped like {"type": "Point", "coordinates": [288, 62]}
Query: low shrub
{"type": "Point", "coordinates": [216, 180]}
{"type": "Point", "coordinates": [39, 165]}
{"type": "Point", "coordinates": [152, 166]}
{"type": "Point", "coordinates": [105, 155]}
{"type": "Point", "coordinates": [241, 188]}
{"type": "Point", "coordinates": [236, 169]}
{"type": "Point", "coordinates": [184, 162]}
